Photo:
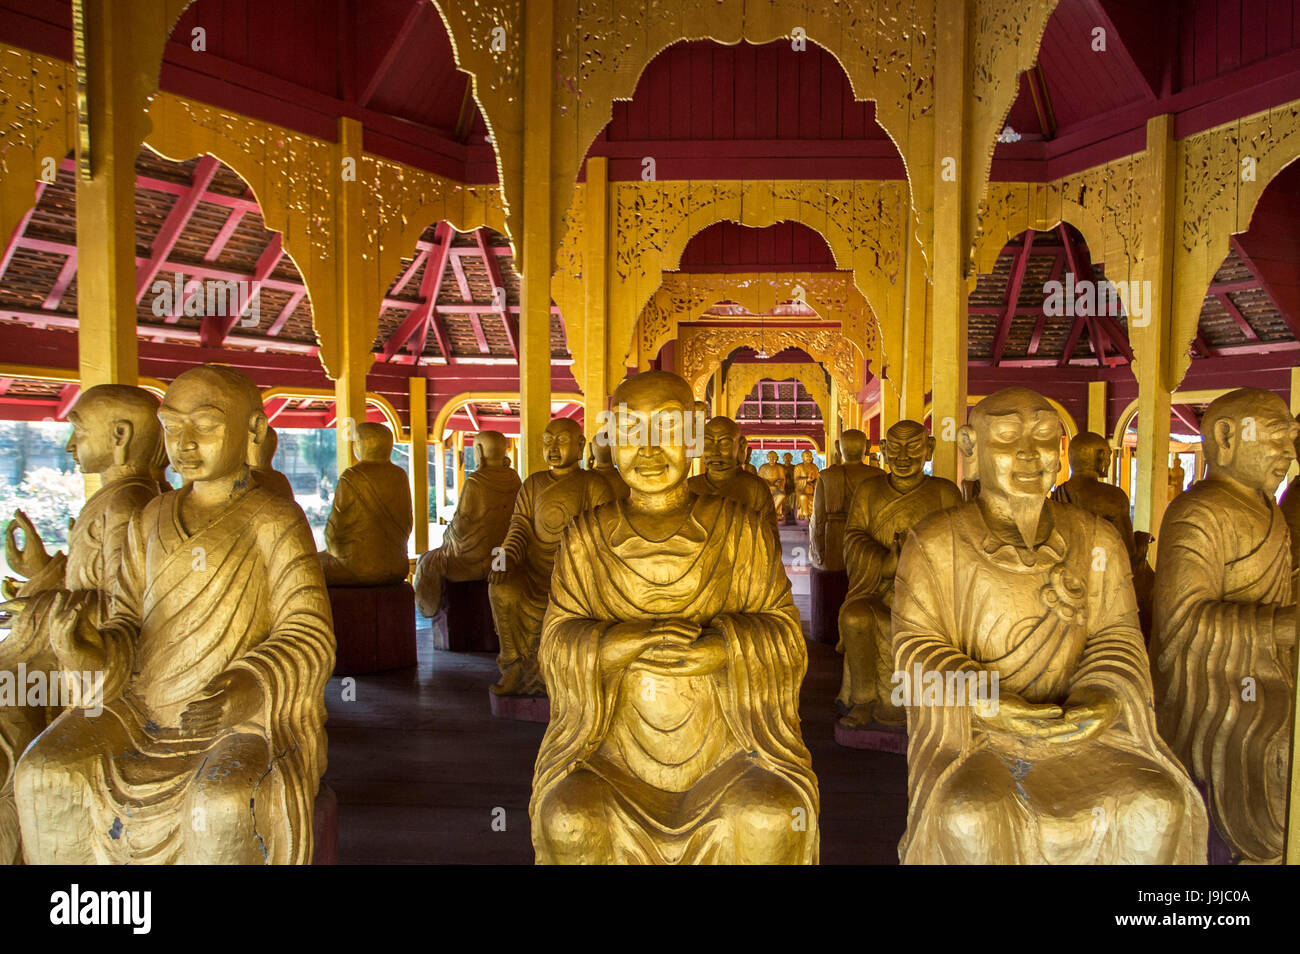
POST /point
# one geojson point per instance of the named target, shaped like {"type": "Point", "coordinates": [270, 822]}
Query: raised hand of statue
{"type": "Point", "coordinates": [30, 558]}
{"type": "Point", "coordinates": [233, 697]}
{"type": "Point", "coordinates": [630, 641]}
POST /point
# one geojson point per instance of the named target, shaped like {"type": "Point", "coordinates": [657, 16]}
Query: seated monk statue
{"type": "Point", "coordinates": [1089, 465]}
{"type": "Point", "coordinates": [773, 474]}
{"type": "Point", "coordinates": [1060, 763]}
{"type": "Point", "coordinates": [115, 434]}
{"type": "Point", "coordinates": [211, 743]}
{"type": "Point", "coordinates": [1177, 478]}
{"type": "Point", "coordinates": [546, 503]}
{"type": "Point", "coordinates": [260, 458]}
{"type": "Point", "coordinates": [724, 447]}
{"type": "Point", "coordinates": [884, 508]}
{"type": "Point", "coordinates": [831, 499]}
{"type": "Point", "coordinates": [791, 501]}
{"type": "Point", "coordinates": [1224, 623]}
{"type": "Point", "coordinates": [805, 482]}
{"type": "Point", "coordinates": [600, 460]}
{"type": "Point", "coordinates": [1290, 505]}
{"type": "Point", "coordinates": [673, 656]}
{"type": "Point", "coordinates": [372, 516]}
{"type": "Point", "coordinates": [478, 528]}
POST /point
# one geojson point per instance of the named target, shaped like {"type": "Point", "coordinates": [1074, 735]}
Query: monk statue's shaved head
{"type": "Point", "coordinates": [853, 445]}
{"type": "Point", "coordinates": [374, 441]}
{"type": "Point", "coordinates": [490, 446]}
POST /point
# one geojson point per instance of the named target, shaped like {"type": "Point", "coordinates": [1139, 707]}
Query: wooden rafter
{"type": "Point", "coordinates": [1013, 295]}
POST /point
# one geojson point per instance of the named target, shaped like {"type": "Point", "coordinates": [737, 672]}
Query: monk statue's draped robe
{"type": "Point", "coordinates": [83, 576]}
{"type": "Point", "coordinates": [1053, 620]}
{"type": "Point", "coordinates": [368, 527]}
{"type": "Point", "coordinates": [749, 489]}
{"type": "Point", "coordinates": [480, 524]}
{"type": "Point", "coordinates": [129, 785]}
{"type": "Point", "coordinates": [1290, 504]}
{"type": "Point", "coordinates": [1223, 573]}
{"type": "Point", "coordinates": [831, 500]}
{"type": "Point", "coordinates": [543, 508]}
{"type": "Point", "coordinates": [671, 771]}
{"type": "Point", "coordinates": [877, 515]}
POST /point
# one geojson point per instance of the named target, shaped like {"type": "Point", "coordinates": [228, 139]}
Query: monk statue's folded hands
{"type": "Point", "coordinates": [627, 642]}
{"type": "Point", "coordinates": [233, 698]}
{"type": "Point", "coordinates": [699, 657]}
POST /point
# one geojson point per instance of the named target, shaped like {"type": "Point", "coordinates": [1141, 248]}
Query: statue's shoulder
{"type": "Point", "coordinates": [938, 529]}
{"type": "Point", "coordinates": [699, 484]}
{"type": "Point", "coordinates": [1204, 498]}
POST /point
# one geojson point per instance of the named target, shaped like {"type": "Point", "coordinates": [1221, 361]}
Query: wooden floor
{"type": "Point", "coordinates": [420, 765]}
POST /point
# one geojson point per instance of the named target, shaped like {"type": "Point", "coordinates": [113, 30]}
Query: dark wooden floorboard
{"type": "Point", "coordinates": [420, 765]}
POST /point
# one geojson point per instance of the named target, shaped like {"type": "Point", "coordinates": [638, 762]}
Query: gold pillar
{"type": "Point", "coordinates": [537, 251]}
{"type": "Point", "coordinates": [910, 371]}
{"type": "Point", "coordinates": [1295, 411]}
{"type": "Point", "coordinates": [1152, 341]}
{"type": "Point", "coordinates": [719, 394]}
{"type": "Point", "coordinates": [951, 178]}
{"type": "Point", "coordinates": [108, 352]}
{"type": "Point", "coordinates": [595, 275]}
{"type": "Point", "coordinates": [1097, 408]}
{"type": "Point", "coordinates": [458, 442]}
{"type": "Point", "coordinates": [439, 479]}
{"type": "Point", "coordinates": [350, 385]}
{"type": "Point", "coordinates": [420, 460]}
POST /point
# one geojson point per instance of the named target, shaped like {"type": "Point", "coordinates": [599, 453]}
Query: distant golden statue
{"type": "Point", "coordinates": [884, 509]}
{"type": "Point", "coordinates": [773, 474]}
{"type": "Point", "coordinates": [1224, 637]}
{"type": "Point", "coordinates": [115, 434]}
{"type": "Point", "coordinates": [211, 743]}
{"type": "Point", "coordinates": [546, 503]}
{"type": "Point", "coordinates": [1177, 478]}
{"type": "Point", "coordinates": [600, 460]}
{"type": "Point", "coordinates": [791, 500]}
{"type": "Point", "coordinates": [1089, 465]}
{"type": "Point", "coordinates": [673, 656]}
{"type": "Point", "coordinates": [724, 447]}
{"type": "Point", "coordinates": [372, 516]}
{"type": "Point", "coordinates": [478, 528]}
{"type": "Point", "coordinates": [835, 488]}
{"type": "Point", "coordinates": [260, 460]}
{"type": "Point", "coordinates": [1062, 764]}
{"type": "Point", "coordinates": [805, 484]}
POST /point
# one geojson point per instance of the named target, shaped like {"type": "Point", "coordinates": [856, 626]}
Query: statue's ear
{"type": "Point", "coordinates": [742, 454]}
{"type": "Point", "coordinates": [257, 426]}
{"type": "Point", "coordinates": [122, 433]}
{"type": "Point", "coordinates": [966, 444]}
{"type": "Point", "coordinates": [1223, 437]}
{"type": "Point", "coordinates": [929, 447]}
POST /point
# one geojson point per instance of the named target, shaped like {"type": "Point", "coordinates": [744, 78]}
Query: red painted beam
{"type": "Point", "coordinates": [223, 236]}
{"type": "Point", "coordinates": [1013, 295]}
{"type": "Point", "coordinates": [68, 395]}
{"type": "Point", "coordinates": [1036, 336]}
{"type": "Point", "coordinates": [1292, 320]}
{"type": "Point", "coordinates": [1235, 314]}
{"type": "Point", "coordinates": [286, 313]}
{"type": "Point", "coordinates": [392, 53]}
{"type": "Point", "coordinates": [423, 315]}
{"type": "Point", "coordinates": [11, 245]}
{"type": "Point", "coordinates": [66, 274]}
{"type": "Point", "coordinates": [498, 290]}
{"type": "Point", "coordinates": [174, 225]}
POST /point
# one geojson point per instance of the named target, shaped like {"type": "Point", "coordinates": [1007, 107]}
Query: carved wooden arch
{"type": "Point", "coordinates": [686, 296]}
{"type": "Point", "coordinates": [741, 379]}
{"type": "Point", "coordinates": [458, 401]}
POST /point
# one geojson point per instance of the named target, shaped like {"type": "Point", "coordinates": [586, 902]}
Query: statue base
{"type": "Point", "coordinates": [325, 827]}
{"type": "Point", "coordinates": [374, 627]}
{"type": "Point", "coordinates": [873, 735]}
{"type": "Point", "coordinates": [521, 708]}
{"type": "Point", "coordinates": [826, 591]}
{"type": "Point", "coordinates": [464, 624]}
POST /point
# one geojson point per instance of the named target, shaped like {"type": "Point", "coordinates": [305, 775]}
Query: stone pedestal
{"type": "Point", "coordinates": [873, 735]}
{"type": "Point", "coordinates": [374, 626]}
{"type": "Point", "coordinates": [464, 624]}
{"type": "Point", "coordinates": [826, 592]}
{"type": "Point", "coordinates": [325, 827]}
{"type": "Point", "coordinates": [521, 708]}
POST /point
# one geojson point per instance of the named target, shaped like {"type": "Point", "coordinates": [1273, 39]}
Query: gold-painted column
{"type": "Point", "coordinates": [1151, 342]}
{"type": "Point", "coordinates": [107, 347]}
{"type": "Point", "coordinates": [439, 478]}
{"type": "Point", "coordinates": [419, 389]}
{"type": "Point", "coordinates": [355, 358]}
{"type": "Point", "coordinates": [595, 276]}
{"type": "Point", "coordinates": [458, 442]}
{"type": "Point", "coordinates": [719, 395]}
{"type": "Point", "coordinates": [537, 251]}
{"type": "Point", "coordinates": [910, 371]}
{"type": "Point", "coordinates": [1097, 408]}
{"type": "Point", "coordinates": [1295, 412]}
{"type": "Point", "coordinates": [951, 179]}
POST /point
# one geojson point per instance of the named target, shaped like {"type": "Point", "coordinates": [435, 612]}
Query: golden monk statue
{"type": "Point", "coordinates": [724, 447]}
{"type": "Point", "coordinates": [884, 508]}
{"type": "Point", "coordinates": [1290, 505]}
{"type": "Point", "coordinates": [831, 500]}
{"type": "Point", "coordinates": [115, 434]}
{"type": "Point", "coordinates": [773, 474]}
{"type": "Point", "coordinates": [1089, 465]}
{"type": "Point", "coordinates": [805, 483]}
{"type": "Point", "coordinates": [673, 656]}
{"type": "Point", "coordinates": [478, 528]}
{"type": "Point", "coordinates": [211, 743]}
{"type": "Point", "coordinates": [372, 516]}
{"type": "Point", "coordinates": [260, 461]}
{"type": "Point", "coordinates": [791, 500]}
{"type": "Point", "coordinates": [1224, 631]}
{"type": "Point", "coordinates": [600, 460]}
{"type": "Point", "coordinates": [1030, 601]}
{"type": "Point", "coordinates": [1177, 477]}
{"type": "Point", "coordinates": [546, 503]}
